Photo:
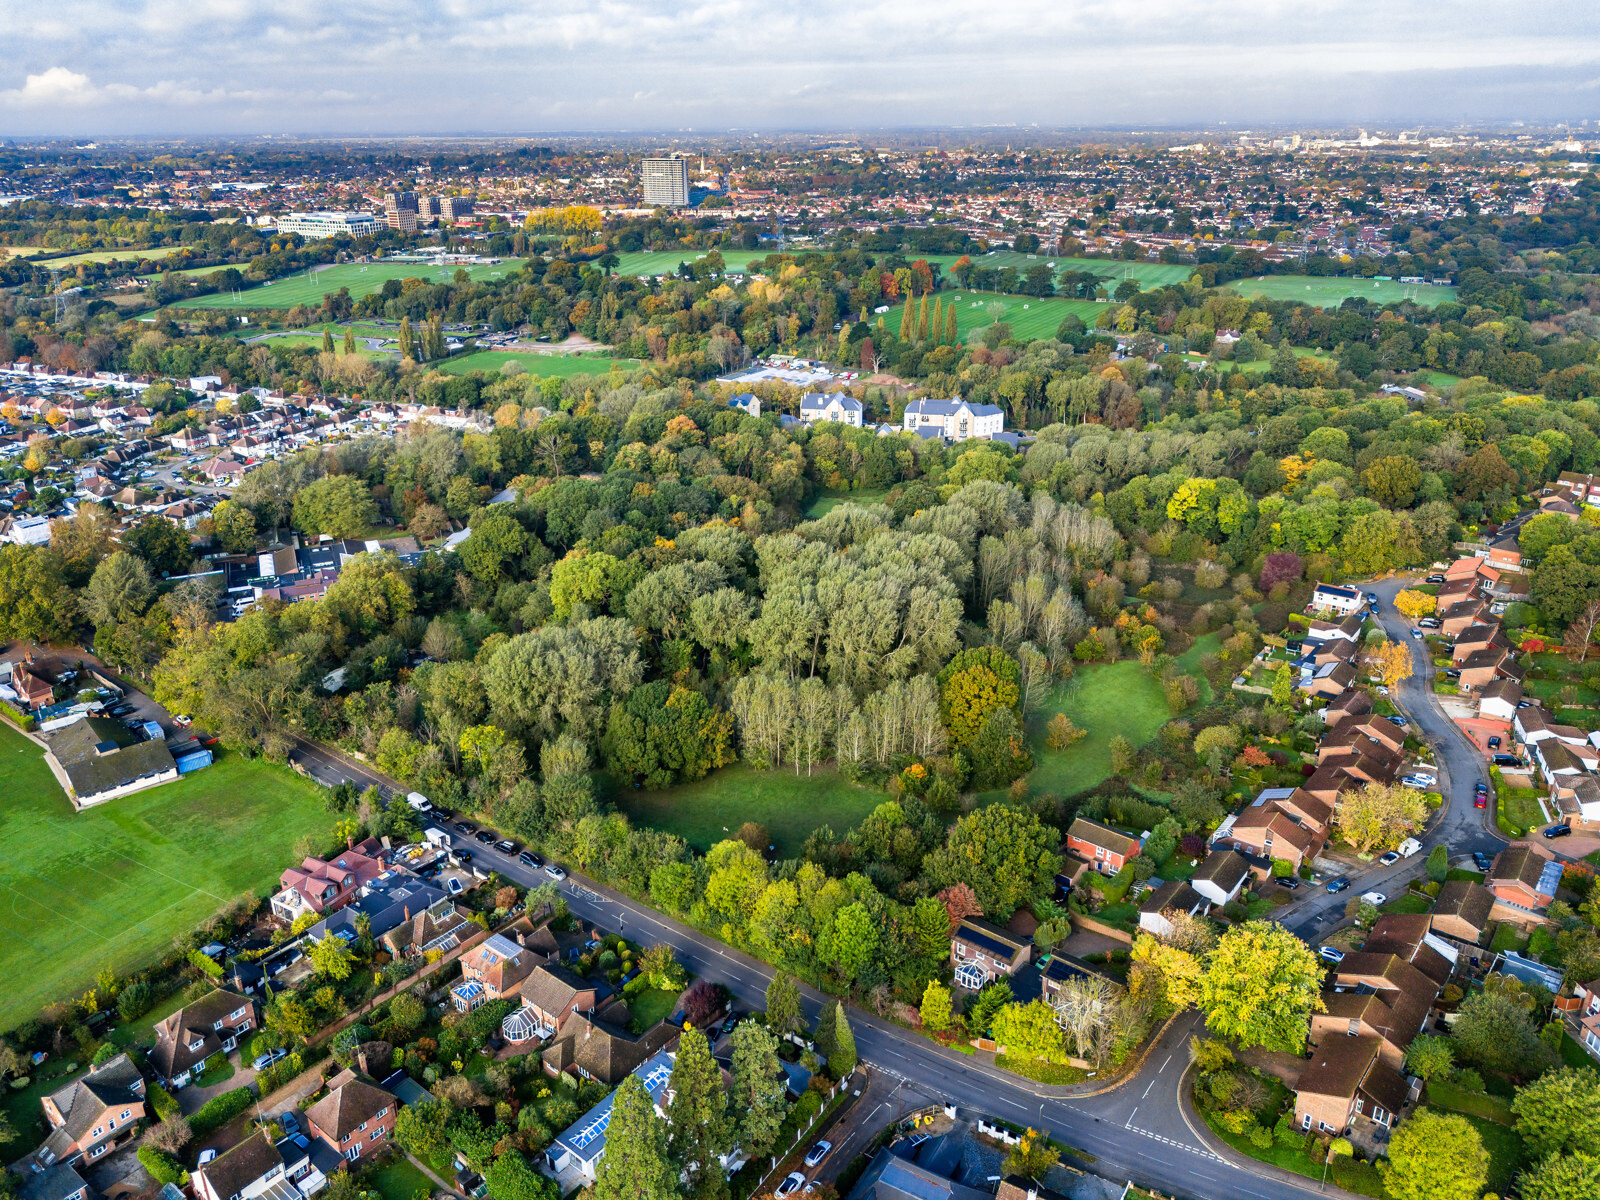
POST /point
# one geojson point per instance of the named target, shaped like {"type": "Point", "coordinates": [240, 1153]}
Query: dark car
{"type": "Point", "coordinates": [1494, 743]}
{"type": "Point", "coordinates": [730, 1023]}
{"type": "Point", "coordinates": [1506, 760]}
{"type": "Point", "coordinates": [1338, 883]}
{"type": "Point", "coordinates": [529, 859]}
{"type": "Point", "coordinates": [1556, 831]}
{"type": "Point", "coordinates": [1481, 860]}
{"type": "Point", "coordinates": [1451, 674]}
{"type": "Point", "coordinates": [506, 847]}
{"type": "Point", "coordinates": [1434, 579]}
{"type": "Point", "coordinates": [486, 836]}
{"type": "Point", "coordinates": [465, 827]}
{"type": "Point", "coordinates": [120, 710]}
{"type": "Point", "coordinates": [1524, 703]}
{"type": "Point", "coordinates": [1289, 881]}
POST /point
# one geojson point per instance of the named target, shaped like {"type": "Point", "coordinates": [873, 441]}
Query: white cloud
{"type": "Point", "coordinates": [57, 86]}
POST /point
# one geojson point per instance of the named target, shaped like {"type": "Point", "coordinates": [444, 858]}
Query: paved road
{"type": "Point", "coordinates": [1459, 825]}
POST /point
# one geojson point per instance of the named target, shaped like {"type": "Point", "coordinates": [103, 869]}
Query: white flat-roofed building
{"type": "Point", "coordinates": [330, 224]}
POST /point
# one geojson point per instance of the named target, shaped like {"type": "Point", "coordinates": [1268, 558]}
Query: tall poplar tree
{"type": "Point", "coordinates": [327, 340]}
{"type": "Point", "coordinates": [783, 1004]}
{"type": "Point", "coordinates": [759, 1088]}
{"type": "Point", "coordinates": [843, 1059]}
{"type": "Point", "coordinates": [907, 321]}
{"type": "Point", "coordinates": [922, 319]}
{"type": "Point", "coordinates": [699, 1130]}
{"type": "Point", "coordinates": [950, 335]}
{"type": "Point", "coordinates": [936, 327]}
{"type": "Point", "coordinates": [406, 348]}
{"type": "Point", "coordinates": [635, 1165]}
{"type": "Point", "coordinates": [349, 341]}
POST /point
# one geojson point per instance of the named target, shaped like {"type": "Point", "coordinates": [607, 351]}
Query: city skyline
{"type": "Point", "coordinates": [242, 67]}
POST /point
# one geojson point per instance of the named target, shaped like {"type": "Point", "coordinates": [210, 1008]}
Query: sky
{"type": "Point", "coordinates": [83, 68]}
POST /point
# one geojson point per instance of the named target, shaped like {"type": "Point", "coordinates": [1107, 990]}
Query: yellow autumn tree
{"type": "Point", "coordinates": [1165, 977]}
{"type": "Point", "coordinates": [1393, 662]}
{"type": "Point", "coordinates": [1415, 604]}
{"type": "Point", "coordinates": [1294, 469]}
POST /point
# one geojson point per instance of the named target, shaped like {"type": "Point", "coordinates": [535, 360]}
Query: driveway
{"type": "Point", "coordinates": [191, 1098]}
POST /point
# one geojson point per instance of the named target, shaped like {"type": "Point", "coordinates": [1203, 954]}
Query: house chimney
{"type": "Point", "coordinates": [349, 843]}
{"type": "Point", "coordinates": [407, 911]}
{"type": "Point", "coordinates": [361, 1058]}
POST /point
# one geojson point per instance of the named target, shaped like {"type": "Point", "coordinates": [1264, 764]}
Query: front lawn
{"type": "Point", "coordinates": [790, 806]}
{"type": "Point", "coordinates": [650, 1007]}
{"type": "Point", "coordinates": [1409, 903]}
{"type": "Point", "coordinates": [111, 886]}
{"type": "Point", "coordinates": [1462, 875]}
{"type": "Point", "coordinates": [1517, 809]}
{"type": "Point", "coordinates": [218, 1070]}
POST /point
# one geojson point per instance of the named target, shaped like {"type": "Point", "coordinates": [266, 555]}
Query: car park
{"type": "Point", "coordinates": [792, 1183]}
{"type": "Point", "coordinates": [1331, 954]}
{"type": "Point", "coordinates": [817, 1153]}
{"type": "Point", "coordinates": [1376, 899]}
{"type": "Point", "coordinates": [1389, 859]}
{"type": "Point", "coordinates": [555, 872]}
{"type": "Point", "coordinates": [1556, 831]}
{"type": "Point", "coordinates": [506, 846]}
{"type": "Point", "coordinates": [529, 859]}
{"type": "Point", "coordinates": [1338, 883]}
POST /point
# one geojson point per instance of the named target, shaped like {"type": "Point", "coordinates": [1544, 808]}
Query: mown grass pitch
{"type": "Point", "coordinates": [361, 278]}
{"type": "Point", "coordinates": [1029, 316]}
{"type": "Point", "coordinates": [1325, 291]}
{"type": "Point", "coordinates": [111, 886]}
{"type": "Point", "coordinates": [562, 365]}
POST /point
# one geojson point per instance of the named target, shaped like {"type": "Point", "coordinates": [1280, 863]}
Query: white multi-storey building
{"type": "Point", "coordinates": [956, 420]}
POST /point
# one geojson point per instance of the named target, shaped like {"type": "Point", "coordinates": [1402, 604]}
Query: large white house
{"type": "Point", "coordinates": [830, 406]}
{"type": "Point", "coordinates": [955, 419]}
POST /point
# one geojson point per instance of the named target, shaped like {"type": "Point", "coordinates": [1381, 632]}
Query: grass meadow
{"type": "Point", "coordinates": [1330, 291]}
{"type": "Point", "coordinates": [361, 278]}
{"type": "Point", "coordinates": [1029, 316]}
{"type": "Point", "coordinates": [111, 886]}
{"type": "Point", "coordinates": [563, 366]}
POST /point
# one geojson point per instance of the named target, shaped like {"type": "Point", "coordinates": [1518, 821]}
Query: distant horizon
{"type": "Point", "coordinates": [162, 70]}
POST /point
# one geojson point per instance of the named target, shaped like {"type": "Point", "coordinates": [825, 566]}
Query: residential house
{"type": "Point", "coordinates": [1532, 726]}
{"type": "Point", "coordinates": [31, 687]}
{"type": "Point", "coordinates": [1104, 848]}
{"type": "Point", "coordinates": [599, 1045]}
{"type": "Point", "coordinates": [1346, 630]}
{"type": "Point", "coordinates": [1456, 618]}
{"type": "Point", "coordinates": [1461, 910]}
{"type": "Point", "coordinates": [1477, 637]}
{"type": "Point", "coordinates": [186, 1040]}
{"type": "Point", "coordinates": [1497, 701]}
{"type": "Point", "coordinates": [1524, 878]}
{"type": "Point", "coordinates": [491, 970]}
{"type": "Point", "coordinates": [259, 1169]}
{"type": "Point", "coordinates": [1174, 896]}
{"type": "Point", "coordinates": [354, 1119]}
{"type": "Point", "coordinates": [439, 927]}
{"type": "Point", "coordinates": [1313, 813]}
{"type": "Point", "coordinates": [1562, 765]}
{"type": "Point", "coordinates": [1269, 832]}
{"type": "Point", "coordinates": [1328, 680]}
{"type": "Point", "coordinates": [321, 886]}
{"type": "Point", "coordinates": [1062, 967]}
{"type": "Point", "coordinates": [59, 1182]}
{"type": "Point", "coordinates": [1366, 761]}
{"type": "Point", "coordinates": [1577, 800]}
{"type": "Point", "coordinates": [1346, 1081]}
{"type": "Point", "coordinates": [1505, 553]}
{"type": "Point", "coordinates": [955, 419]}
{"type": "Point", "coordinates": [1352, 702]}
{"type": "Point", "coordinates": [830, 406]}
{"type": "Point", "coordinates": [551, 993]}
{"type": "Point", "coordinates": [747, 402]}
{"type": "Point", "coordinates": [1483, 667]}
{"type": "Point", "coordinates": [575, 1154]}
{"type": "Point", "coordinates": [1221, 877]}
{"type": "Point", "coordinates": [1325, 597]}
{"type": "Point", "coordinates": [386, 902]}
{"type": "Point", "coordinates": [97, 759]}
{"type": "Point", "coordinates": [982, 953]}
{"type": "Point", "coordinates": [1558, 506]}
{"type": "Point", "coordinates": [93, 1114]}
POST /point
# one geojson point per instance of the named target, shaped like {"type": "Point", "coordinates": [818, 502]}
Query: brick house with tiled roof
{"type": "Point", "coordinates": [188, 1038]}
{"type": "Point", "coordinates": [600, 1046]}
{"type": "Point", "coordinates": [1524, 877]}
{"type": "Point", "coordinates": [1346, 1079]}
{"type": "Point", "coordinates": [93, 1114]}
{"type": "Point", "coordinates": [1104, 848]}
{"type": "Point", "coordinates": [354, 1119]}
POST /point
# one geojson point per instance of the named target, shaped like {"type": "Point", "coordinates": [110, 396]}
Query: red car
{"type": "Point", "coordinates": [1481, 800]}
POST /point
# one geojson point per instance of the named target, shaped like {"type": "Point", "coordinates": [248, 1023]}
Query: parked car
{"type": "Point", "coordinates": [1389, 859]}
{"type": "Point", "coordinates": [555, 872]}
{"type": "Point", "coordinates": [729, 1024]}
{"type": "Point", "coordinates": [465, 827]}
{"type": "Point", "coordinates": [263, 1061]}
{"type": "Point", "coordinates": [792, 1183]}
{"type": "Point", "coordinates": [120, 710]}
{"type": "Point", "coordinates": [1376, 899]}
{"type": "Point", "coordinates": [1506, 760]}
{"type": "Point", "coordinates": [1400, 719]}
{"type": "Point", "coordinates": [1556, 831]}
{"type": "Point", "coordinates": [1289, 881]}
{"type": "Point", "coordinates": [1481, 860]}
{"type": "Point", "coordinates": [529, 859]}
{"type": "Point", "coordinates": [1382, 690]}
{"type": "Point", "coordinates": [290, 1121]}
{"type": "Point", "coordinates": [1494, 743]}
{"type": "Point", "coordinates": [464, 856]}
{"type": "Point", "coordinates": [506, 846]}
{"type": "Point", "coordinates": [206, 1156]}
{"type": "Point", "coordinates": [1417, 633]}
{"type": "Point", "coordinates": [1331, 954]}
{"type": "Point", "coordinates": [486, 836]}
{"type": "Point", "coordinates": [1480, 800]}
{"type": "Point", "coordinates": [1430, 623]}
{"type": "Point", "coordinates": [182, 721]}
{"type": "Point", "coordinates": [1435, 578]}
{"type": "Point", "coordinates": [817, 1153]}
{"type": "Point", "coordinates": [1338, 883]}
{"type": "Point", "coordinates": [1372, 597]}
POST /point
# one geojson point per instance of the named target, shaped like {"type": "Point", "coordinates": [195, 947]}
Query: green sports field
{"type": "Point", "coordinates": [561, 365]}
{"type": "Point", "coordinates": [112, 886]}
{"type": "Point", "coordinates": [1030, 317]}
{"type": "Point", "coordinates": [1113, 270]}
{"type": "Point", "coordinates": [104, 255]}
{"type": "Point", "coordinates": [195, 272]}
{"type": "Point", "coordinates": [1330, 292]}
{"type": "Point", "coordinates": [361, 278]}
{"type": "Point", "coordinates": [665, 262]}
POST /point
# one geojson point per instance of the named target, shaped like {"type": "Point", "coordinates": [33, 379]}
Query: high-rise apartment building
{"type": "Point", "coordinates": [427, 210]}
{"type": "Point", "coordinates": [400, 211]}
{"type": "Point", "coordinates": [666, 181]}
{"type": "Point", "coordinates": [453, 208]}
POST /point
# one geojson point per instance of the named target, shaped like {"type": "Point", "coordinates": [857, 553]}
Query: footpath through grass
{"type": "Point", "coordinates": [790, 806]}
{"type": "Point", "coordinates": [110, 887]}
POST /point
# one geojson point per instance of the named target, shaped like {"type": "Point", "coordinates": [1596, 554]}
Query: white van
{"type": "Point", "coordinates": [1409, 847]}
{"type": "Point", "coordinates": [419, 802]}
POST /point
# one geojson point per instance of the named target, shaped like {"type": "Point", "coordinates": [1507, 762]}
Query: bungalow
{"type": "Point", "coordinates": [490, 971]}
{"type": "Point", "coordinates": [830, 406]}
{"type": "Point", "coordinates": [1105, 849]}
{"type": "Point", "coordinates": [93, 1114]}
{"type": "Point", "coordinates": [981, 953]}
{"type": "Point", "coordinates": [1461, 911]}
{"type": "Point", "coordinates": [1221, 876]}
{"type": "Point", "coordinates": [187, 1039]}
{"type": "Point", "coordinates": [354, 1119]}
{"type": "Point", "coordinates": [319, 886]}
{"type": "Point", "coordinates": [96, 759]}
{"type": "Point", "coordinates": [1498, 701]}
{"type": "Point", "coordinates": [1325, 597]}
{"type": "Point", "coordinates": [1174, 896]}
{"type": "Point", "coordinates": [1525, 879]}
{"type": "Point", "coordinates": [1352, 702]}
{"type": "Point", "coordinates": [1347, 1080]}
